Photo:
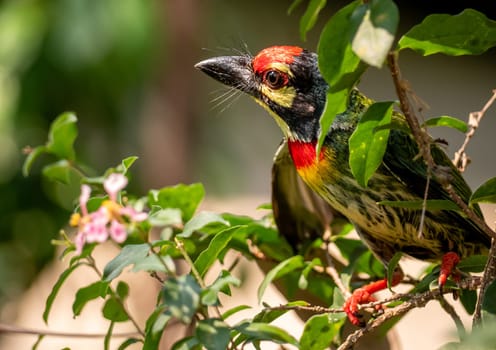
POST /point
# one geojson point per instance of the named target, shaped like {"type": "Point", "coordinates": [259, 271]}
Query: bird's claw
{"type": "Point", "coordinates": [448, 265]}
{"type": "Point", "coordinates": [351, 306]}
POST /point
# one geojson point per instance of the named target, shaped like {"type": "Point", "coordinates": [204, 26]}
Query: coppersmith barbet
{"type": "Point", "coordinates": [286, 81]}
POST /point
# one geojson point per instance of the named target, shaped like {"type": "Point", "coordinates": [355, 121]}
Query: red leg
{"type": "Point", "coordinates": [448, 264]}
{"type": "Point", "coordinates": [363, 295]}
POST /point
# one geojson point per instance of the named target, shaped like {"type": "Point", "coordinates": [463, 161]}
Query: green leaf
{"type": "Point", "coordinates": [425, 282]}
{"type": "Point", "coordinates": [114, 311]}
{"type": "Point", "coordinates": [348, 247]}
{"type": "Point", "coordinates": [55, 289]}
{"type": "Point", "coordinates": [309, 18]}
{"type": "Point", "coordinates": [268, 315]}
{"type": "Point", "coordinates": [263, 331]}
{"type": "Point", "coordinates": [489, 302]}
{"type": "Point", "coordinates": [303, 280]}
{"type": "Point", "coordinates": [448, 121]}
{"type": "Point", "coordinates": [283, 268]}
{"type": "Point", "coordinates": [367, 144]}
{"type": "Point", "coordinates": [213, 334]}
{"type": "Point", "coordinates": [485, 193]}
{"type": "Point", "coordinates": [153, 263]}
{"type": "Point", "coordinates": [188, 343]}
{"type": "Point", "coordinates": [337, 61]}
{"type": "Point", "coordinates": [473, 263]}
{"type": "Point", "coordinates": [154, 328]}
{"type": "Point", "coordinates": [319, 331]}
{"type": "Point", "coordinates": [130, 254]}
{"type": "Point", "coordinates": [294, 5]}
{"type": "Point", "coordinates": [165, 217]}
{"type": "Point", "coordinates": [216, 245]}
{"type": "Point", "coordinates": [201, 220]}
{"type": "Point", "coordinates": [339, 65]}
{"type": "Point", "coordinates": [468, 33]}
{"type": "Point", "coordinates": [122, 290]}
{"type": "Point", "coordinates": [61, 136]}
{"type": "Point", "coordinates": [184, 197]}
{"type": "Point", "coordinates": [83, 295]}
{"type": "Point", "coordinates": [182, 297]}
{"type": "Point", "coordinates": [391, 267]}
{"type": "Point", "coordinates": [210, 295]}
{"type": "Point", "coordinates": [336, 102]}
{"type": "Point", "coordinates": [431, 204]}
{"type": "Point", "coordinates": [234, 310]}
{"type": "Point", "coordinates": [126, 343]}
{"type": "Point", "coordinates": [32, 156]}
{"type": "Point", "coordinates": [468, 299]}
{"type": "Point", "coordinates": [58, 171]}
{"type": "Point", "coordinates": [375, 22]}
{"type": "Point", "coordinates": [127, 163]}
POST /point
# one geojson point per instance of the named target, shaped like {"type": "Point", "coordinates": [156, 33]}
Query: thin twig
{"type": "Point", "coordinates": [312, 308]}
{"type": "Point", "coordinates": [162, 261]}
{"type": "Point", "coordinates": [394, 297]}
{"type": "Point", "coordinates": [10, 329]}
{"type": "Point", "coordinates": [92, 264]}
{"type": "Point", "coordinates": [331, 270]}
{"type": "Point", "coordinates": [424, 204]}
{"type": "Point", "coordinates": [461, 159]}
{"type": "Point", "coordinates": [194, 271]}
{"type": "Point", "coordinates": [420, 135]}
{"type": "Point", "coordinates": [468, 211]}
{"type": "Point", "coordinates": [187, 258]}
{"type": "Point", "coordinates": [450, 310]}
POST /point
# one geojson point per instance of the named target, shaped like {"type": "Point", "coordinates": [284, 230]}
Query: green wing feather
{"type": "Point", "coordinates": [403, 161]}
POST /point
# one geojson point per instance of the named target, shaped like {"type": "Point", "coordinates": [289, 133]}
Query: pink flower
{"type": "Point", "coordinates": [96, 229]}
{"type": "Point", "coordinates": [113, 184]}
{"type": "Point", "coordinates": [79, 242]}
{"type": "Point", "coordinates": [110, 220]}
{"type": "Point", "coordinates": [133, 215]}
{"type": "Point", "coordinates": [117, 231]}
{"type": "Point", "coordinates": [83, 199]}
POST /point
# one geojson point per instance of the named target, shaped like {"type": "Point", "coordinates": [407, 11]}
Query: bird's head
{"type": "Point", "coordinates": [285, 80]}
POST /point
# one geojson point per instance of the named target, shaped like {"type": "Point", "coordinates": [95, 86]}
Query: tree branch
{"type": "Point", "coordinates": [10, 329]}
{"type": "Point", "coordinates": [450, 310]}
{"type": "Point", "coordinates": [488, 276]}
{"type": "Point", "coordinates": [461, 159]}
{"type": "Point", "coordinates": [414, 301]}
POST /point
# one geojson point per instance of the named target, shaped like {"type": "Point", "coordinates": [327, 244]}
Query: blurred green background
{"type": "Point", "coordinates": [125, 67]}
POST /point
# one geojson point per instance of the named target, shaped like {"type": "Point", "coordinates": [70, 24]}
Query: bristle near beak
{"type": "Point", "coordinates": [234, 71]}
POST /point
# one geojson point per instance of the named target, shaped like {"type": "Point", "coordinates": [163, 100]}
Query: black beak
{"type": "Point", "coordinates": [234, 71]}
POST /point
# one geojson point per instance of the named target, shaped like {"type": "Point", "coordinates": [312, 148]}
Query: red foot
{"type": "Point", "coordinates": [448, 264]}
{"type": "Point", "coordinates": [363, 295]}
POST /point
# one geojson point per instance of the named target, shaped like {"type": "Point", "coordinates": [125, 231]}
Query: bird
{"type": "Point", "coordinates": [286, 81]}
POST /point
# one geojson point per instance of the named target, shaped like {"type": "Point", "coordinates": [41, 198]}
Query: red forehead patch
{"type": "Point", "coordinates": [279, 54]}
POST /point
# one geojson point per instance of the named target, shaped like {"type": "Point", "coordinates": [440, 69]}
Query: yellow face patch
{"type": "Point", "coordinates": [283, 96]}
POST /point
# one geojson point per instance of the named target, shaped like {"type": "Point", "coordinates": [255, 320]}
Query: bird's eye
{"type": "Point", "coordinates": [275, 79]}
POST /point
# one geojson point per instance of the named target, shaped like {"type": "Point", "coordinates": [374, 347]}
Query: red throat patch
{"type": "Point", "coordinates": [279, 54]}
{"type": "Point", "coordinates": [303, 153]}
